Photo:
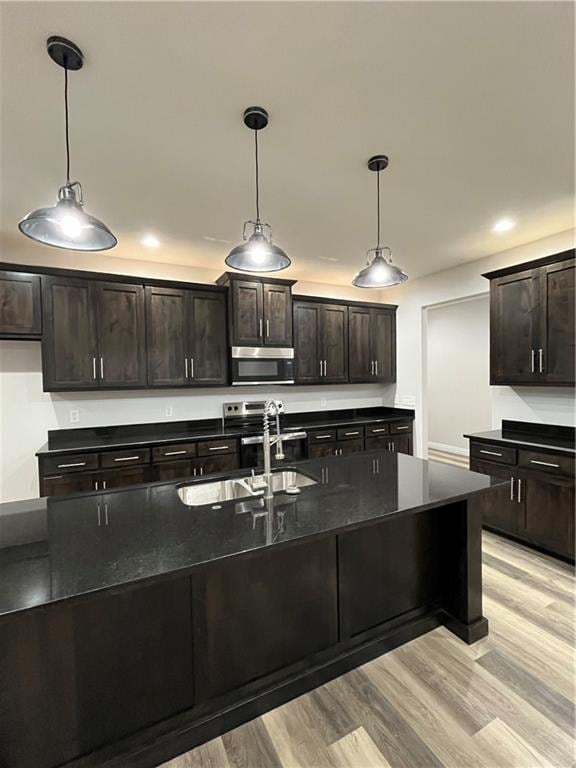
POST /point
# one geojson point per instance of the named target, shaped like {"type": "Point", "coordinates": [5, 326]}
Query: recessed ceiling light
{"type": "Point", "coordinates": [504, 225]}
{"type": "Point", "coordinates": [150, 241]}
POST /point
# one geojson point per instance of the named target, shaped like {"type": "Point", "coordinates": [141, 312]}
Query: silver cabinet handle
{"type": "Point", "coordinates": [201, 471]}
{"type": "Point", "coordinates": [490, 453]}
{"type": "Point", "coordinates": [219, 448]}
{"type": "Point", "coordinates": [511, 489]}
{"type": "Point", "coordinates": [324, 367]}
{"type": "Point", "coordinates": [349, 434]}
{"type": "Point", "coordinates": [545, 463]}
{"type": "Point", "coordinates": [96, 486]}
{"type": "Point", "coordinates": [98, 510]}
{"type": "Point", "coordinates": [321, 437]}
{"type": "Point", "coordinates": [320, 367]}
{"type": "Point", "coordinates": [372, 367]}
{"type": "Point", "coordinates": [105, 514]}
{"type": "Point", "coordinates": [541, 360]}
{"type": "Point", "coordinates": [185, 367]}
{"type": "Point", "coordinates": [519, 491]}
{"type": "Point", "coordinates": [532, 361]}
{"type": "Point", "coordinates": [103, 485]}
{"type": "Point", "coordinates": [376, 364]}
{"type": "Point", "coordinates": [75, 464]}
{"type": "Point", "coordinates": [408, 427]}
{"type": "Point", "coordinates": [102, 368]}
{"type": "Point", "coordinates": [194, 471]}
{"type": "Point", "coordinates": [94, 368]}
{"type": "Point", "coordinates": [127, 458]}
{"type": "Point", "coordinates": [376, 431]}
{"type": "Point", "coordinates": [260, 327]}
{"type": "Point", "coordinates": [174, 453]}
{"type": "Point", "coordinates": [191, 367]}
{"type": "Point", "coordinates": [267, 329]}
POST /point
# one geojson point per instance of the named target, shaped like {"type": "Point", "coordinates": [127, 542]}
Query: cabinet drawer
{"type": "Point", "coordinates": [376, 430]}
{"type": "Point", "coordinates": [500, 454]}
{"type": "Point", "coordinates": [554, 464]}
{"type": "Point", "coordinates": [73, 462]}
{"type": "Point", "coordinates": [350, 433]}
{"type": "Point", "coordinates": [322, 436]}
{"type": "Point", "coordinates": [127, 458]}
{"type": "Point", "coordinates": [378, 442]}
{"type": "Point", "coordinates": [401, 427]}
{"type": "Point", "coordinates": [174, 452]}
{"type": "Point", "coordinates": [215, 447]}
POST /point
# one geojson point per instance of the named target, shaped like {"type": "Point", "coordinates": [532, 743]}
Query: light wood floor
{"type": "Point", "coordinates": [505, 701]}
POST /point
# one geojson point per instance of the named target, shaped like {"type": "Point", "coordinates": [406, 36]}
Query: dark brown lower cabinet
{"type": "Point", "coordinates": [207, 465]}
{"type": "Point", "coordinates": [549, 514]}
{"type": "Point", "coordinates": [500, 508]}
{"type": "Point", "coordinates": [87, 674]}
{"type": "Point", "coordinates": [63, 485]}
{"type": "Point", "coordinates": [263, 614]}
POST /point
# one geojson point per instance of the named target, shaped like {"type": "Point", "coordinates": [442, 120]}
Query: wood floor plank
{"type": "Point", "coordinates": [503, 748]}
{"type": "Point", "coordinates": [357, 749]}
{"type": "Point", "coordinates": [328, 714]}
{"type": "Point", "coordinates": [532, 689]}
{"type": "Point", "coordinates": [545, 566]}
{"type": "Point", "coordinates": [249, 746]}
{"type": "Point", "coordinates": [551, 587]}
{"type": "Point", "coordinates": [296, 739]}
{"type": "Point", "coordinates": [209, 755]}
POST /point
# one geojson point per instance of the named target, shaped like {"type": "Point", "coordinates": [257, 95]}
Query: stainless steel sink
{"type": "Point", "coordinates": [219, 491]}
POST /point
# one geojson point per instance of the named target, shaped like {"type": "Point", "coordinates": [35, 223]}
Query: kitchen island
{"type": "Point", "coordinates": [133, 627]}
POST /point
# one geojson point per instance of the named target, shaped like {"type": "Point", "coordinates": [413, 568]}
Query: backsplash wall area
{"type": "Point", "coordinates": [27, 413]}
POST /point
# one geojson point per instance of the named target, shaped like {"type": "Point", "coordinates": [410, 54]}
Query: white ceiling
{"type": "Point", "coordinates": [472, 101]}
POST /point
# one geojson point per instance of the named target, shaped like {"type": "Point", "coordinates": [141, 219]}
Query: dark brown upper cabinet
{"type": "Point", "coordinates": [372, 343]}
{"type": "Point", "coordinates": [186, 337]}
{"type": "Point", "coordinates": [259, 310]}
{"type": "Point", "coordinates": [532, 322]}
{"type": "Point", "coordinates": [320, 342]}
{"type": "Point", "coordinates": [93, 334]}
{"type": "Point", "coordinates": [20, 306]}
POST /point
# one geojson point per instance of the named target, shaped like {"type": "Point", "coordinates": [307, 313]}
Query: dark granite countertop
{"type": "Point", "coordinates": [130, 436]}
{"type": "Point", "coordinates": [59, 548]}
{"type": "Point", "coordinates": [548, 437]}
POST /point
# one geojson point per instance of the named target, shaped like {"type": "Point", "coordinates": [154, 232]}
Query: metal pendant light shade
{"type": "Point", "coordinates": [379, 271]}
{"type": "Point", "coordinates": [66, 224]}
{"type": "Point", "coordinates": [257, 253]}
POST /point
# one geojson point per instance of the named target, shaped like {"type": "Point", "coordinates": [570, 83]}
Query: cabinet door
{"type": "Point", "coordinates": [514, 321]}
{"type": "Point", "coordinates": [307, 317]}
{"type": "Point", "coordinates": [209, 465]}
{"type": "Point", "coordinates": [69, 343]}
{"type": "Point", "coordinates": [549, 514]}
{"type": "Point", "coordinates": [499, 507]}
{"type": "Point", "coordinates": [173, 470]}
{"type": "Point", "coordinates": [383, 343]}
{"type": "Point", "coordinates": [401, 444]}
{"type": "Point", "coordinates": [347, 447]}
{"type": "Point", "coordinates": [63, 485]}
{"type": "Point", "coordinates": [20, 305]}
{"type": "Point", "coordinates": [208, 345]}
{"type": "Point", "coordinates": [167, 344]}
{"type": "Point", "coordinates": [361, 359]}
{"type": "Point", "coordinates": [277, 315]}
{"type": "Point", "coordinates": [321, 450]}
{"type": "Point", "coordinates": [558, 299]}
{"type": "Point", "coordinates": [121, 335]}
{"type": "Point", "coordinates": [334, 338]}
{"type": "Point", "coordinates": [121, 478]}
{"type": "Point", "coordinates": [247, 314]}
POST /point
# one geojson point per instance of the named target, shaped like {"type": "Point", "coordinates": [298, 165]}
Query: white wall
{"type": "Point", "coordinates": [459, 398]}
{"type": "Point", "coordinates": [415, 296]}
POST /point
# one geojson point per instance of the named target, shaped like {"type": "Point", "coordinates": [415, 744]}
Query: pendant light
{"type": "Point", "coordinates": [379, 272]}
{"type": "Point", "coordinates": [66, 224]}
{"type": "Point", "coordinates": [257, 253]}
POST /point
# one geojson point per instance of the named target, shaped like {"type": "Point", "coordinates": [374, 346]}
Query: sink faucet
{"type": "Point", "coordinates": [272, 408]}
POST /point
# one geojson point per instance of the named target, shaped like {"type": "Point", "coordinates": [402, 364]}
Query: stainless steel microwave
{"type": "Point", "coordinates": [262, 365]}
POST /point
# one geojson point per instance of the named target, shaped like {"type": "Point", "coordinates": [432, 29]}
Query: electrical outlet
{"type": "Point", "coordinates": [169, 411]}
{"type": "Point", "coordinates": [323, 402]}
{"type": "Point", "coordinates": [74, 416]}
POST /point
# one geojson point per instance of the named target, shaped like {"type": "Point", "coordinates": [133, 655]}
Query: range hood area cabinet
{"type": "Point", "coordinates": [532, 322]}
{"type": "Point", "coordinates": [259, 310]}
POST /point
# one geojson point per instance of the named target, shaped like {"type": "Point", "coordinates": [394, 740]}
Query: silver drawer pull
{"type": "Point", "coordinates": [491, 453]}
{"type": "Point", "coordinates": [348, 434]}
{"type": "Point", "coordinates": [219, 448]}
{"type": "Point", "coordinates": [545, 463]}
{"type": "Point", "coordinates": [376, 431]}
{"type": "Point", "coordinates": [127, 458]}
{"type": "Point", "coordinates": [53, 477]}
{"type": "Point", "coordinates": [174, 453]}
{"type": "Point", "coordinates": [321, 437]}
{"type": "Point", "coordinates": [406, 427]}
{"type": "Point", "coordinates": [76, 464]}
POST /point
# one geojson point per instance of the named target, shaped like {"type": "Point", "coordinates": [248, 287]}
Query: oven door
{"type": "Point", "coordinates": [262, 365]}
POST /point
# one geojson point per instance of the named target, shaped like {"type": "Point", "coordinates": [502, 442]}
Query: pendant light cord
{"type": "Point", "coordinates": [378, 206]}
{"type": "Point", "coordinates": [66, 121]}
{"type": "Point", "coordinates": [257, 177]}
